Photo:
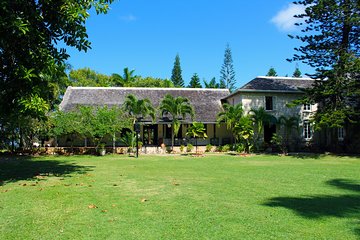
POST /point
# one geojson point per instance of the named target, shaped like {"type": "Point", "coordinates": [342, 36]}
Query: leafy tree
{"type": "Point", "coordinates": [138, 108]}
{"type": "Point", "coordinates": [176, 76]}
{"type": "Point", "coordinates": [211, 84]}
{"type": "Point", "coordinates": [195, 82]}
{"type": "Point", "coordinates": [227, 73]}
{"type": "Point", "coordinates": [177, 108]}
{"type": "Point", "coordinates": [260, 117]}
{"type": "Point", "coordinates": [272, 72]}
{"type": "Point", "coordinates": [230, 115]}
{"type": "Point", "coordinates": [30, 31]}
{"type": "Point", "coordinates": [330, 44]}
{"type": "Point", "coordinates": [197, 130]}
{"type": "Point", "coordinates": [85, 77]}
{"type": "Point", "coordinates": [151, 82]}
{"type": "Point", "coordinates": [297, 73]}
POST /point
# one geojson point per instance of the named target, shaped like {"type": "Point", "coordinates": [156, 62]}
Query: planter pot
{"type": "Point", "coordinates": [102, 152]}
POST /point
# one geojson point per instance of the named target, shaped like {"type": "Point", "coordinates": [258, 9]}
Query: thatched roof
{"type": "Point", "coordinates": [206, 102]}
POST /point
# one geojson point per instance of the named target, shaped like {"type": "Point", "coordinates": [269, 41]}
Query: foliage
{"type": "Point", "coordinates": [290, 124]}
{"type": "Point", "coordinates": [297, 73]}
{"type": "Point", "coordinates": [226, 148]}
{"type": "Point", "coordinates": [244, 133]}
{"type": "Point", "coordinates": [29, 50]}
{"type": "Point", "coordinates": [151, 82]}
{"type": "Point", "coordinates": [189, 147]}
{"type": "Point", "coordinates": [177, 109]}
{"type": "Point", "coordinates": [208, 148]}
{"type": "Point", "coordinates": [230, 115]}
{"type": "Point", "coordinates": [129, 139]}
{"type": "Point", "coordinates": [176, 76]}
{"type": "Point", "coordinates": [227, 73]}
{"type": "Point", "coordinates": [197, 130]}
{"type": "Point", "coordinates": [211, 84]}
{"type": "Point", "coordinates": [90, 122]}
{"type": "Point", "coordinates": [272, 72]}
{"type": "Point", "coordinates": [330, 43]}
{"type": "Point", "coordinates": [85, 77]}
{"type": "Point", "coordinates": [195, 82]}
{"type": "Point", "coordinates": [278, 141]}
{"type": "Point", "coordinates": [260, 117]}
{"type": "Point", "coordinates": [182, 147]}
{"type": "Point", "coordinates": [138, 108]}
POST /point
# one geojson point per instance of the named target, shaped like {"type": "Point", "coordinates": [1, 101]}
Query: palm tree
{"type": "Point", "coordinates": [125, 80]}
{"type": "Point", "coordinates": [197, 130]}
{"type": "Point", "coordinates": [138, 108]}
{"type": "Point", "coordinates": [230, 115]}
{"type": "Point", "coordinates": [177, 108]}
{"type": "Point", "coordinates": [290, 123]}
{"type": "Point", "coordinates": [260, 117]}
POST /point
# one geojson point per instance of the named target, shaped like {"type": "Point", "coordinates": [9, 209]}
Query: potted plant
{"type": "Point", "coordinates": [101, 149]}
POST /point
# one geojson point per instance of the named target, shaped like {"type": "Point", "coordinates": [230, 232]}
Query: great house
{"type": "Point", "coordinates": [207, 104]}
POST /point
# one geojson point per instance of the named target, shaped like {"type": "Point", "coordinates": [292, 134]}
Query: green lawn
{"type": "Point", "coordinates": [180, 197]}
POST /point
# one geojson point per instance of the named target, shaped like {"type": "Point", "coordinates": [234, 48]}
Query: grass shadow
{"type": "Point", "coordinates": [318, 206]}
{"type": "Point", "coordinates": [305, 155]}
{"type": "Point", "coordinates": [16, 168]}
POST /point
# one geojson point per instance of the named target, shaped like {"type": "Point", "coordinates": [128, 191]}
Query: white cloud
{"type": "Point", "coordinates": [285, 19]}
{"type": "Point", "coordinates": [128, 18]}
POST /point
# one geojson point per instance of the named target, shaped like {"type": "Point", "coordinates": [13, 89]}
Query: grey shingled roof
{"type": "Point", "coordinates": [276, 84]}
{"type": "Point", "coordinates": [207, 102]}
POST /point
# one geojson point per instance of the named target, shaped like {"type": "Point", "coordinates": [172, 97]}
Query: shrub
{"type": "Point", "coordinates": [182, 147]}
{"type": "Point", "coordinates": [226, 148]}
{"type": "Point", "coordinates": [240, 148]}
{"type": "Point", "coordinates": [189, 147]}
{"type": "Point", "coordinates": [208, 148]}
{"type": "Point", "coordinates": [219, 149]}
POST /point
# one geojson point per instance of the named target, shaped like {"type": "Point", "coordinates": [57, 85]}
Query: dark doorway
{"type": "Point", "coordinates": [269, 131]}
{"type": "Point", "coordinates": [150, 135]}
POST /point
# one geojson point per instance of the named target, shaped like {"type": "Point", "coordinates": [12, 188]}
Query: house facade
{"type": "Point", "coordinates": [275, 94]}
{"type": "Point", "coordinates": [207, 104]}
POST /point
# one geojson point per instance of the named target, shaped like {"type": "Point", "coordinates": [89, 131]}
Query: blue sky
{"type": "Point", "coordinates": [146, 36]}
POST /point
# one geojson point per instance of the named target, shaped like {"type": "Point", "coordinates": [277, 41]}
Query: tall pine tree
{"type": "Point", "coordinates": [272, 72]}
{"type": "Point", "coordinates": [297, 73]}
{"type": "Point", "coordinates": [195, 82]}
{"type": "Point", "coordinates": [176, 76]}
{"type": "Point", "coordinates": [330, 44]}
{"type": "Point", "coordinates": [227, 73]}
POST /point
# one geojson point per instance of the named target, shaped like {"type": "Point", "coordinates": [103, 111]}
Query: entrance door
{"type": "Point", "coordinates": [269, 131]}
{"type": "Point", "coordinates": [150, 135]}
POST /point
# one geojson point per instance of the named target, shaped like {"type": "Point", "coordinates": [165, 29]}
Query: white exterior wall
{"type": "Point", "coordinates": [256, 100]}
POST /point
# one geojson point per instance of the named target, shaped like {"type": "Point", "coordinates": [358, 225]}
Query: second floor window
{"type": "Point", "coordinates": [307, 107]}
{"type": "Point", "coordinates": [269, 103]}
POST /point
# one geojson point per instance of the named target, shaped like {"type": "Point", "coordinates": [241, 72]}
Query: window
{"type": "Point", "coordinates": [307, 107]}
{"type": "Point", "coordinates": [341, 134]}
{"type": "Point", "coordinates": [307, 130]}
{"type": "Point", "coordinates": [269, 103]}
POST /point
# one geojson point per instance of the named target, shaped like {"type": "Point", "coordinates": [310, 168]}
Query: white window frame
{"type": "Point", "coordinates": [307, 130]}
{"type": "Point", "coordinates": [307, 107]}
{"type": "Point", "coordinates": [341, 134]}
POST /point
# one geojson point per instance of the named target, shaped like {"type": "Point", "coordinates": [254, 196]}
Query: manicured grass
{"type": "Point", "coordinates": [180, 197]}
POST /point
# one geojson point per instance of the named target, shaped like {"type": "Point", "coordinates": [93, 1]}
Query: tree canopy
{"type": "Point", "coordinates": [330, 44]}
{"type": "Point", "coordinates": [29, 50]}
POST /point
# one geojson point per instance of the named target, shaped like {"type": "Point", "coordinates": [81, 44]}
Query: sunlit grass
{"type": "Point", "coordinates": [180, 197]}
